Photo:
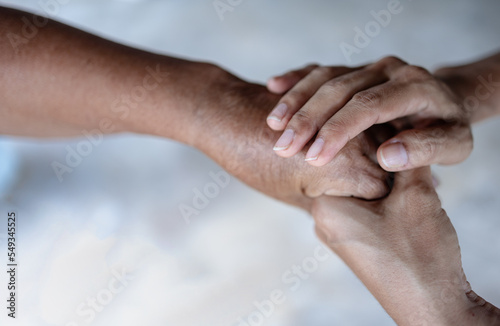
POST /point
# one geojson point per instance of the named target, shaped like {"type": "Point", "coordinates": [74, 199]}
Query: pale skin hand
{"type": "Point", "coordinates": [432, 112]}
{"type": "Point", "coordinates": [405, 250]}
{"type": "Point", "coordinates": [63, 82]}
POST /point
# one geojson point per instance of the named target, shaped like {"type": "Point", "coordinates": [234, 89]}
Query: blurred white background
{"type": "Point", "coordinates": [119, 210]}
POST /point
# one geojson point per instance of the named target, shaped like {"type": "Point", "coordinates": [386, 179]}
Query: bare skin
{"type": "Point", "coordinates": [405, 250]}
{"type": "Point", "coordinates": [432, 112]}
{"type": "Point", "coordinates": [63, 82]}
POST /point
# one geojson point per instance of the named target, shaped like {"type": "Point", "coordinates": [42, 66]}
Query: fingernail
{"type": "Point", "coordinates": [394, 155]}
{"type": "Point", "coordinates": [314, 150]}
{"type": "Point", "coordinates": [279, 112]}
{"type": "Point", "coordinates": [284, 141]}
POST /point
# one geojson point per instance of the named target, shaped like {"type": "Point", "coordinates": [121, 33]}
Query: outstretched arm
{"type": "Point", "coordinates": [65, 82]}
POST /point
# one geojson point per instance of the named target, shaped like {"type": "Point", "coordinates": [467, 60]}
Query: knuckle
{"type": "Point", "coordinates": [332, 89]}
{"type": "Point", "coordinates": [391, 60]}
{"type": "Point", "coordinates": [430, 85]}
{"type": "Point", "coordinates": [295, 97]}
{"type": "Point", "coordinates": [367, 99]}
{"type": "Point", "coordinates": [302, 121]}
{"type": "Point", "coordinates": [323, 70]}
{"type": "Point", "coordinates": [332, 128]}
{"type": "Point", "coordinates": [338, 87]}
{"type": "Point", "coordinates": [416, 72]}
{"type": "Point", "coordinates": [429, 150]}
{"type": "Point", "coordinates": [425, 147]}
{"type": "Point", "coordinates": [311, 66]}
{"type": "Point", "coordinates": [300, 73]}
{"type": "Point", "coordinates": [294, 74]}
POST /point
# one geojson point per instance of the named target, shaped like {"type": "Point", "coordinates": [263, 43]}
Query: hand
{"type": "Point", "coordinates": [338, 103]}
{"type": "Point", "coordinates": [239, 141]}
{"type": "Point", "coordinates": [405, 250]}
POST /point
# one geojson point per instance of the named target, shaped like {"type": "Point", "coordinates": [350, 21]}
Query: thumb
{"type": "Point", "coordinates": [413, 183]}
{"type": "Point", "coordinates": [414, 197]}
{"type": "Point", "coordinates": [448, 144]}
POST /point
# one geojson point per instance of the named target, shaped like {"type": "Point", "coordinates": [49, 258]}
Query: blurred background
{"type": "Point", "coordinates": [109, 246]}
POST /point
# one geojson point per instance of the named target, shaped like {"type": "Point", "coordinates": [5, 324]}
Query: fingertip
{"type": "Point", "coordinates": [284, 144]}
{"type": "Point", "coordinates": [314, 151]}
{"type": "Point", "coordinates": [285, 153]}
{"type": "Point", "coordinates": [315, 163]}
{"type": "Point", "coordinates": [275, 123]}
{"type": "Point", "coordinates": [276, 120]}
{"type": "Point", "coordinates": [327, 153]}
{"type": "Point", "coordinates": [393, 156]}
{"type": "Point", "coordinates": [320, 161]}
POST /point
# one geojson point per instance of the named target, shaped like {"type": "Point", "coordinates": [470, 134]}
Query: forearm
{"type": "Point", "coordinates": [440, 305]}
{"type": "Point", "coordinates": [478, 86]}
{"type": "Point", "coordinates": [63, 81]}
{"type": "Point", "coordinates": [418, 294]}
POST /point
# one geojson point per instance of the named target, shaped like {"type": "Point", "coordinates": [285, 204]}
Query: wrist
{"type": "Point", "coordinates": [476, 89]}
{"type": "Point", "coordinates": [229, 126]}
{"type": "Point", "coordinates": [480, 311]}
{"type": "Point", "coordinates": [446, 302]}
{"type": "Point", "coordinates": [204, 106]}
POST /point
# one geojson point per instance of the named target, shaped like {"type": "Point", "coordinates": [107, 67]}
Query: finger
{"type": "Point", "coordinates": [446, 144]}
{"type": "Point", "coordinates": [376, 105]}
{"type": "Point", "coordinates": [417, 177]}
{"type": "Point", "coordinates": [294, 99]}
{"type": "Point", "coordinates": [282, 83]}
{"type": "Point", "coordinates": [370, 185]}
{"type": "Point", "coordinates": [367, 181]}
{"type": "Point", "coordinates": [389, 65]}
{"type": "Point", "coordinates": [413, 194]}
{"type": "Point", "coordinates": [329, 98]}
